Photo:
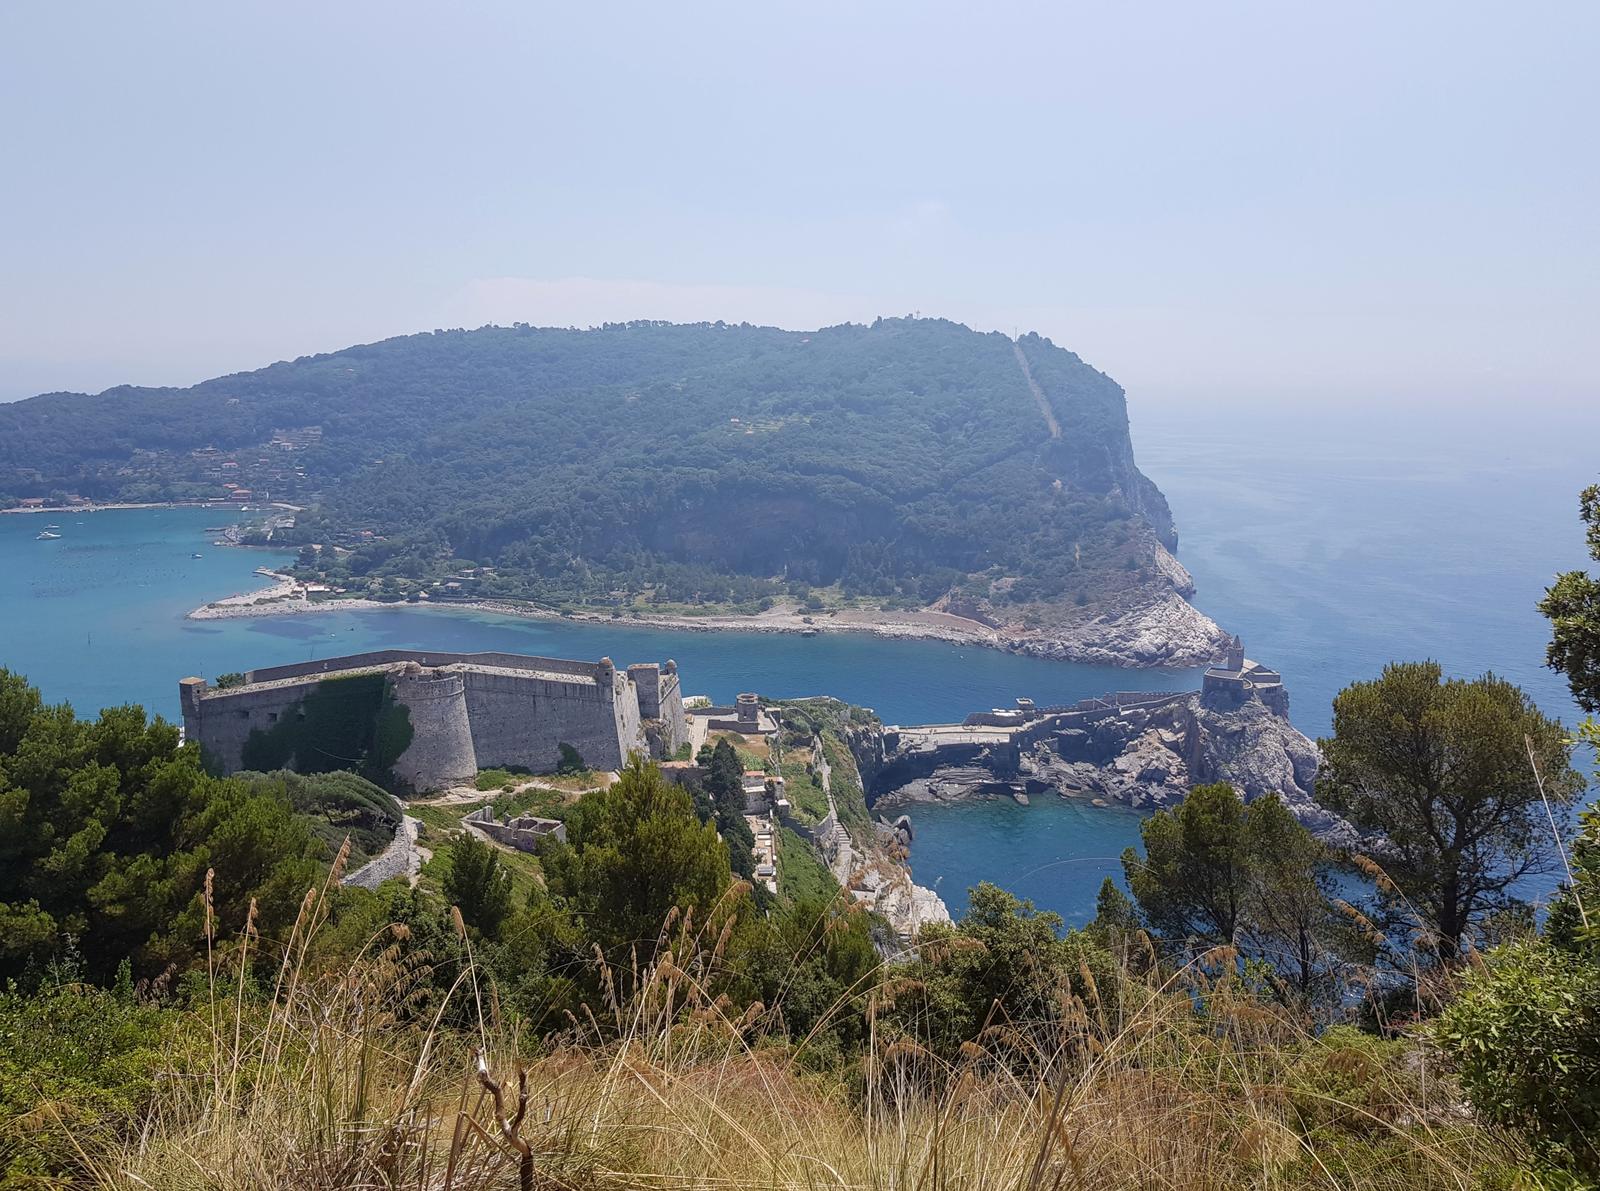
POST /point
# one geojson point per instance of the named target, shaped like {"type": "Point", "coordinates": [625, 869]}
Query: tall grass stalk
{"type": "Point", "coordinates": [346, 1079]}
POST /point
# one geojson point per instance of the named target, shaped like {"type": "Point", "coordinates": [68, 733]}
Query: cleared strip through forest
{"type": "Point", "coordinates": [1038, 393]}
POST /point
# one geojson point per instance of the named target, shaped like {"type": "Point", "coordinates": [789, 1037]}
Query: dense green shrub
{"type": "Point", "coordinates": [1524, 1032]}
{"type": "Point", "coordinates": [78, 1065]}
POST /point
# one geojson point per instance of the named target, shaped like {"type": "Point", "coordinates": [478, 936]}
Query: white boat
{"type": "Point", "coordinates": [46, 536]}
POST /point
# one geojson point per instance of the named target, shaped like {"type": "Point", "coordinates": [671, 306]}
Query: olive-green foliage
{"type": "Point", "coordinates": [635, 852]}
{"type": "Point", "coordinates": [1351, 1099]}
{"type": "Point", "coordinates": [495, 779]}
{"type": "Point", "coordinates": [801, 874]}
{"type": "Point", "coordinates": [536, 800]}
{"type": "Point", "coordinates": [107, 829]}
{"type": "Point", "coordinates": [78, 1067]}
{"type": "Point", "coordinates": [1194, 877]}
{"type": "Point", "coordinates": [336, 804]}
{"type": "Point", "coordinates": [724, 784]}
{"type": "Point", "coordinates": [351, 722]}
{"type": "Point", "coordinates": [1574, 919]}
{"type": "Point", "coordinates": [1440, 768]}
{"type": "Point", "coordinates": [1005, 965]}
{"type": "Point", "coordinates": [892, 458]}
{"type": "Point", "coordinates": [844, 782]}
{"type": "Point", "coordinates": [1216, 871]}
{"type": "Point", "coordinates": [478, 884]}
{"type": "Point", "coordinates": [816, 967]}
{"type": "Point", "coordinates": [1573, 607]}
{"type": "Point", "coordinates": [1524, 1028]}
{"type": "Point", "coordinates": [572, 762]}
{"type": "Point", "coordinates": [1524, 1032]}
{"type": "Point", "coordinates": [803, 788]}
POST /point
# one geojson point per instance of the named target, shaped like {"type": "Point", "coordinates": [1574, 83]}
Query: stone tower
{"type": "Point", "coordinates": [1236, 653]}
{"type": "Point", "coordinates": [441, 752]}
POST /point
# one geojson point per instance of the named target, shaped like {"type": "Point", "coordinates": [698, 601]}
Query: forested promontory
{"type": "Point", "coordinates": [909, 464]}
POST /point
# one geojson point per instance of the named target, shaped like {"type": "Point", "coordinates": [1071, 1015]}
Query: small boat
{"type": "Point", "coordinates": [197, 554]}
{"type": "Point", "coordinates": [46, 536]}
{"type": "Point", "coordinates": [808, 632]}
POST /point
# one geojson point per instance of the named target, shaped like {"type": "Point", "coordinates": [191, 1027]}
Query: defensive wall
{"type": "Point", "coordinates": [996, 740]}
{"type": "Point", "coordinates": [465, 712]}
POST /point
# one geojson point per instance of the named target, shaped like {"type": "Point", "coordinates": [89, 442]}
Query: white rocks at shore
{"type": "Point", "coordinates": [1168, 631]}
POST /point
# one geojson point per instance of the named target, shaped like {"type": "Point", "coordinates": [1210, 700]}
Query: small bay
{"type": "Point", "coordinates": [1369, 541]}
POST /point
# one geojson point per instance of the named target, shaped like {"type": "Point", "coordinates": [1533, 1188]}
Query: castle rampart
{"type": "Point", "coordinates": [440, 753]}
{"type": "Point", "coordinates": [466, 711]}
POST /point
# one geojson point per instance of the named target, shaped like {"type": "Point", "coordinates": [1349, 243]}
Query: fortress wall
{"type": "Point", "coordinates": [441, 752]}
{"type": "Point", "coordinates": [222, 724]}
{"type": "Point", "coordinates": [674, 720]}
{"type": "Point", "coordinates": [522, 721]}
{"type": "Point", "coordinates": [646, 680]}
{"type": "Point", "coordinates": [629, 724]}
{"type": "Point", "coordinates": [516, 714]}
{"type": "Point", "coordinates": [388, 657]}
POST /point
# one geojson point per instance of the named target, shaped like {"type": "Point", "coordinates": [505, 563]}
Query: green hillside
{"type": "Point", "coordinates": [702, 464]}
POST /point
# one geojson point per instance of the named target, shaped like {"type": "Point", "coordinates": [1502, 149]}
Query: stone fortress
{"type": "Point", "coordinates": [467, 711]}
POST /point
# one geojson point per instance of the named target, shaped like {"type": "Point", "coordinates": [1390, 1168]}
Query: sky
{"type": "Point", "coordinates": [1274, 204]}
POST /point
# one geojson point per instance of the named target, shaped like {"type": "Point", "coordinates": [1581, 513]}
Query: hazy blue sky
{"type": "Point", "coordinates": [1373, 201]}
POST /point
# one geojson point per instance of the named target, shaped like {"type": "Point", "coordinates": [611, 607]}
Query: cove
{"type": "Point", "coordinates": [97, 619]}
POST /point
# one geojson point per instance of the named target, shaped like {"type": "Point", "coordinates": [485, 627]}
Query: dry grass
{"type": "Point", "coordinates": [1185, 1082]}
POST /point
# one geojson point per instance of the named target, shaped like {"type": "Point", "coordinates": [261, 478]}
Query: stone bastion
{"type": "Point", "coordinates": [432, 719]}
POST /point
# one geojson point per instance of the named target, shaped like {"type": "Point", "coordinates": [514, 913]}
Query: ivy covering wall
{"type": "Point", "coordinates": [351, 722]}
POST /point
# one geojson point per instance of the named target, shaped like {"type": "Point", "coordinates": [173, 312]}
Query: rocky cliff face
{"type": "Point", "coordinates": [1149, 757]}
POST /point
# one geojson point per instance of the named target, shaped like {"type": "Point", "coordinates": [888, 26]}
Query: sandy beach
{"type": "Point", "coordinates": [1168, 632]}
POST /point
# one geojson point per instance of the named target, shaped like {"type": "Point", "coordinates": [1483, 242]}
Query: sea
{"type": "Point", "coordinates": [1332, 545]}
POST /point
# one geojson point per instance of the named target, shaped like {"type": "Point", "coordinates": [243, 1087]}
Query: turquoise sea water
{"type": "Point", "coordinates": [1330, 548]}
{"type": "Point", "coordinates": [97, 618]}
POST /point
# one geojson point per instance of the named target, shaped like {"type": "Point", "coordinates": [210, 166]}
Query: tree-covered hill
{"type": "Point", "coordinates": [688, 464]}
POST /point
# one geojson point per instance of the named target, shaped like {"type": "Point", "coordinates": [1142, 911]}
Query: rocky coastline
{"type": "Point", "coordinates": [1143, 757]}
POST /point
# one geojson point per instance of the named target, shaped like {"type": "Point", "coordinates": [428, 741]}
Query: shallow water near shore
{"type": "Point", "coordinates": [1330, 560]}
{"type": "Point", "coordinates": [97, 618]}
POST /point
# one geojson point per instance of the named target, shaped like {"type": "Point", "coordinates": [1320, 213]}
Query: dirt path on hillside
{"type": "Point", "coordinates": [1038, 393]}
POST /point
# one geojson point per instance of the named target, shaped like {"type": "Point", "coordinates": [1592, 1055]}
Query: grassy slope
{"type": "Point", "coordinates": [320, 1092]}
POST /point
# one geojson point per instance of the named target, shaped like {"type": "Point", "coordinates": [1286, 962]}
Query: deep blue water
{"type": "Point", "coordinates": [1332, 547]}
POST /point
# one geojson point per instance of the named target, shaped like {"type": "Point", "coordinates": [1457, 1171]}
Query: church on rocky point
{"type": "Point", "coordinates": [1239, 675]}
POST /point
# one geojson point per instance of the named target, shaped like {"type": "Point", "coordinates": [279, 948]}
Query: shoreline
{"type": "Point", "coordinates": [278, 599]}
{"type": "Point", "coordinates": [95, 507]}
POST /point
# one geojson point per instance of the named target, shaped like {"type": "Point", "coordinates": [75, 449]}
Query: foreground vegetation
{"type": "Point", "coordinates": [627, 1014]}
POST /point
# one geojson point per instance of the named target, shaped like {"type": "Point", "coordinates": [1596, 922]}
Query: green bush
{"type": "Point", "coordinates": [1524, 1032]}
{"type": "Point", "coordinates": [78, 1065]}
